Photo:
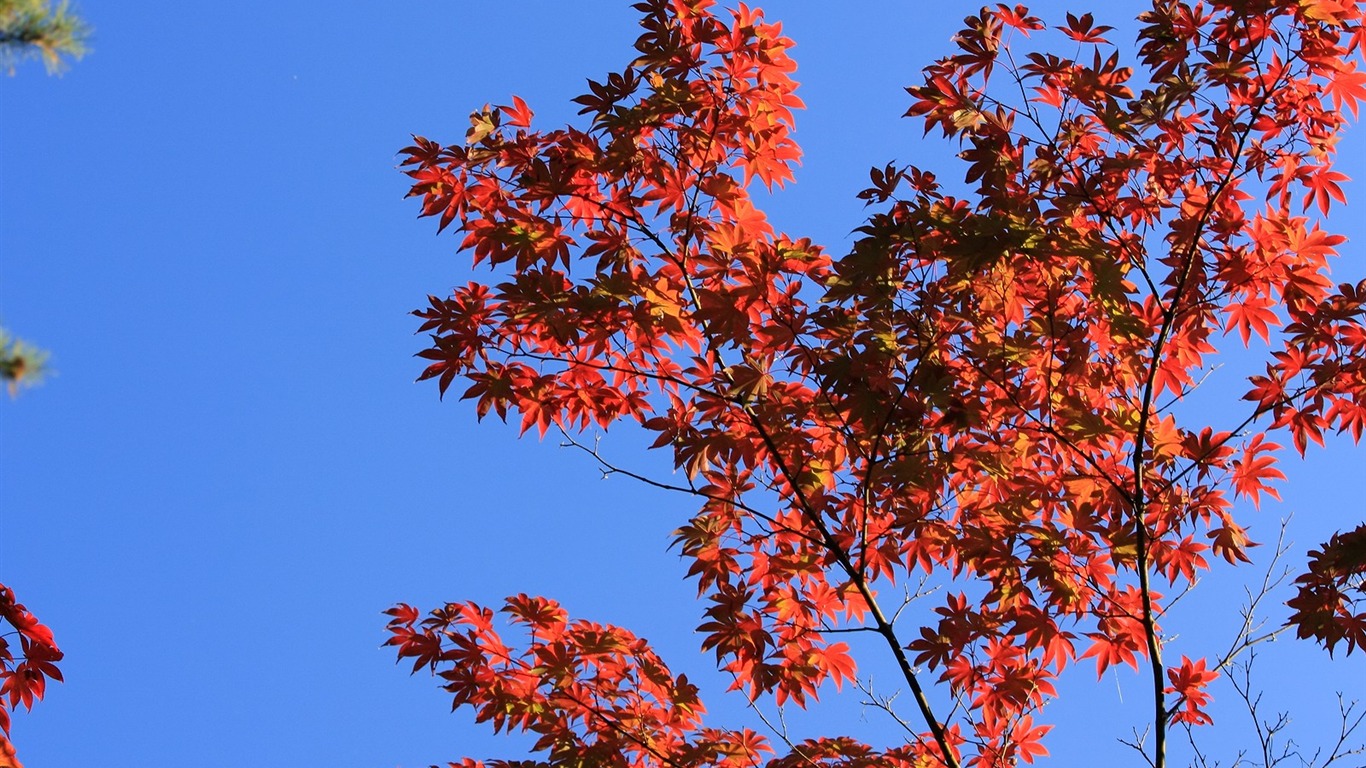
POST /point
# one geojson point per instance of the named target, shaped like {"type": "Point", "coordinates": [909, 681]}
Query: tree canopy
{"type": "Point", "coordinates": [987, 393]}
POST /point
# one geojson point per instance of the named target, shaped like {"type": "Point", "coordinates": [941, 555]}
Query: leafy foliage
{"type": "Point", "coordinates": [21, 363]}
{"type": "Point", "coordinates": [985, 389]}
{"type": "Point", "coordinates": [23, 679]}
{"type": "Point", "coordinates": [35, 28]}
{"type": "Point", "coordinates": [1332, 590]}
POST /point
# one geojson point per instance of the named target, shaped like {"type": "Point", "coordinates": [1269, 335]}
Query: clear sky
{"type": "Point", "coordinates": [232, 472]}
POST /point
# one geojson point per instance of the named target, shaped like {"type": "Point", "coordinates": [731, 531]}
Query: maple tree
{"type": "Point", "coordinates": [985, 390]}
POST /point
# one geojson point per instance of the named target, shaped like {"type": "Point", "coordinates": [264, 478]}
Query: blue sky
{"type": "Point", "coordinates": [232, 472]}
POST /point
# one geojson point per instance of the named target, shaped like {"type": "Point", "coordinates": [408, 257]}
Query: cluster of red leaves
{"type": "Point", "coordinates": [594, 694]}
{"type": "Point", "coordinates": [23, 680]}
{"type": "Point", "coordinates": [1332, 590]}
{"type": "Point", "coordinates": [1188, 683]}
{"type": "Point", "coordinates": [981, 390]}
